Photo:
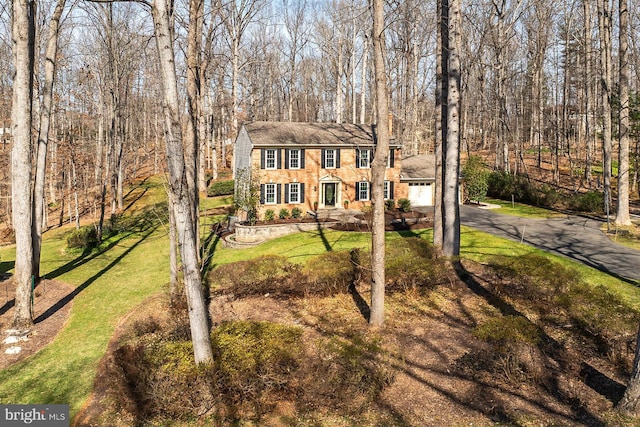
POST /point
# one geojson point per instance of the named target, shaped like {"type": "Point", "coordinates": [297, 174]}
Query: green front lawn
{"type": "Point", "coordinates": [520, 209]}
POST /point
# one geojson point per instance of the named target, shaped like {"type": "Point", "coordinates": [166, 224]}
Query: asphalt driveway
{"type": "Point", "coordinates": [575, 237]}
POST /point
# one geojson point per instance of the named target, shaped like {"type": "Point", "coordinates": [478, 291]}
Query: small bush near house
{"type": "Point", "coordinates": [269, 215]}
{"type": "Point", "coordinates": [296, 213]}
{"type": "Point", "coordinates": [221, 188]}
{"type": "Point", "coordinates": [404, 205]}
{"type": "Point", "coordinates": [284, 213]}
{"type": "Point", "coordinates": [389, 204]}
{"type": "Point", "coordinates": [85, 238]}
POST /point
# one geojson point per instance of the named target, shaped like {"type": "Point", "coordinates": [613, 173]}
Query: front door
{"type": "Point", "coordinates": [329, 194]}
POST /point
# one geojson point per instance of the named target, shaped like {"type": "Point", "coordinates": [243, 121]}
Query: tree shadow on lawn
{"type": "Point", "coordinates": [69, 297]}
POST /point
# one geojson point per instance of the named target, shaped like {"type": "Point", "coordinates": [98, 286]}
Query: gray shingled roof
{"type": "Point", "coordinates": [418, 167]}
{"type": "Point", "coordinates": [309, 134]}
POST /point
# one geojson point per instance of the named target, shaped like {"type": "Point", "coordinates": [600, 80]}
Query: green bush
{"type": "Point", "coordinates": [508, 331]}
{"type": "Point", "coordinates": [356, 367]}
{"type": "Point", "coordinates": [412, 263]}
{"type": "Point", "coordinates": [255, 360]}
{"type": "Point", "coordinates": [296, 213]}
{"type": "Point", "coordinates": [592, 201]}
{"type": "Point", "coordinates": [404, 205]}
{"type": "Point", "coordinates": [156, 376]}
{"type": "Point", "coordinates": [269, 215]}
{"type": "Point", "coordinates": [557, 291]}
{"type": "Point", "coordinates": [255, 365]}
{"type": "Point", "coordinates": [476, 177]}
{"type": "Point", "coordinates": [267, 274]}
{"type": "Point", "coordinates": [532, 278]}
{"type": "Point", "coordinates": [389, 204]}
{"type": "Point", "coordinates": [330, 273]}
{"type": "Point", "coordinates": [85, 238]}
{"type": "Point", "coordinates": [221, 188]}
{"type": "Point", "coordinates": [513, 352]}
{"type": "Point", "coordinates": [284, 213]}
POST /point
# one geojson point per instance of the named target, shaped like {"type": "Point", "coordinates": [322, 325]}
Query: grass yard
{"type": "Point", "coordinates": [522, 210]}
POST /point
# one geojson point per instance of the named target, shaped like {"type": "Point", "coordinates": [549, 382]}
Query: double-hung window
{"type": "Point", "coordinates": [270, 159]}
{"type": "Point", "coordinates": [330, 158]}
{"type": "Point", "coordinates": [363, 158]}
{"type": "Point", "coordinates": [362, 190]}
{"type": "Point", "coordinates": [294, 192]}
{"type": "Point", "coordinates": [388, 190]}
{"type": "Point", "coordinates": [294, 159]}
{"type": "Point", "coordinates": [270, 194]}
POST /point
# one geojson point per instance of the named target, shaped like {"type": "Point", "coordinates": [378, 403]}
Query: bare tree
{"type": "Point", "coordinates": [237, 16]}
{"type": "Point", "coordinates": [23, 36]}
{"type": "Point", "coordinates": [442, 67]}
{"type": "Point", "coordinates": [604, 24]}
{"type": "Point", "coordinates": [622, 212]}
{"type": "Point", "coordinates": [43, 136]}
{"type": "Point", "coordinates": [378, 167]}
{"type": "Point", "coordinates": [451, 144]}
{"type": "Point", "coordinates": [179, 197]}
{"type": "Point", "coordinates": [295, 25]}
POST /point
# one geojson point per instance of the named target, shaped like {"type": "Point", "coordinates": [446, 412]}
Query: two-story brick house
{"type": "Point", "coordinates": [311, 165]}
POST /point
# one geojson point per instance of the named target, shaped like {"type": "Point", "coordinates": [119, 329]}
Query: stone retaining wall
{"type": "Point", "coordinates": [254, 234]}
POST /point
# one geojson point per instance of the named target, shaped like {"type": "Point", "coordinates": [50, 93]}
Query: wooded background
{"type": "Point", "coordinates": [532, 82]}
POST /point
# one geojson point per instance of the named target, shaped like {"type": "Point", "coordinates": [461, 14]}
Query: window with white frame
{"type": "Point", "coordinates": [270, 194]}
{"type": "Point", "coordinates": [270, 161]}
{"type": "Point", "coordinates": [294, 193]}
{"type": "Point", "coordinates": [364, 158]}
{"type": "Point", "coordinates": [294, 159]}
{"type": "Point", "coordinates": [387, 192]}
{"type": "Point", "coordinates": [363, 190]}
{"type": "Point", "coordinates": [330, 158]}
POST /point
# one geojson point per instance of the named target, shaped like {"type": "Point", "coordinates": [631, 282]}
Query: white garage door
{"type": "Point", "coordinates": [421, 194]}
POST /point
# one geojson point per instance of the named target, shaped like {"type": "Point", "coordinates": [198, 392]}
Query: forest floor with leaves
{"type": "Point", "coordinates": [442, 373]}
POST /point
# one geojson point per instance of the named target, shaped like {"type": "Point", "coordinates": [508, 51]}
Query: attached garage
{"type": "Point", "coordinates": [419, 174]}
{"type": "Point", "coordinates": [421, 193]}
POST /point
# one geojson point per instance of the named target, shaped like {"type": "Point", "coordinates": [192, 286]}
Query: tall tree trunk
{"type": "Point", "coordinates": [442, 66]}
{"type": "Point", "coordinates": [23, 35]}
{"type": "Point", "coordinates": [194, 94]}
{"type": "Point", "coordinates": [451, 148]}
{"type": "Point", "coordinates": [363, 81]}
{"type": "Point", "coordinates": [378, 167]}
{"type": "Point", "coordinates": [43, 137]}
{"type": "Point", "coordinates": [622, 207]}
{"type": "Point", "coordinates": [604, 23]}
{"type": "Point", "coordinates": [587, 91]}
{"type": "Point", "coordinates": [179, 190]}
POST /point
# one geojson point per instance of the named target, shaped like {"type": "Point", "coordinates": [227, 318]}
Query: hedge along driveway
{"type": "Point", "coordinates": [109, 284]}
